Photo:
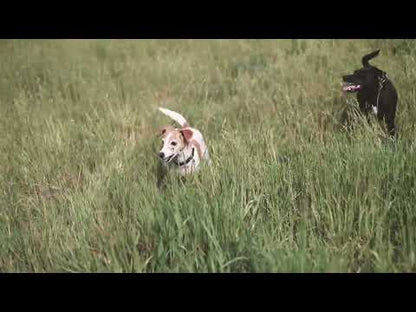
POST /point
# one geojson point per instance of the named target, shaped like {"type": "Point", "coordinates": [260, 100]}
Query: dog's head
{"type": "Point", "coordinates": [364, 78]}
{"type": "Point", "coordinates": [174, 141]}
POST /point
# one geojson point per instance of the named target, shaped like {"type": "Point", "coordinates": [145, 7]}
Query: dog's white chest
{"type": "Point", "coordinates": [191, 167]}
{"type": "Point", "coordinates": [374, 109]}
{"type": "Point", "coordinates": [185, 165]}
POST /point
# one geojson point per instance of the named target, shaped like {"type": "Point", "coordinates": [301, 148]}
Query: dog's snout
{"type": "Point", "coordinates": [162, 155]}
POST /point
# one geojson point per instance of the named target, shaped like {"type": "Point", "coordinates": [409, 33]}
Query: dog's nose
{"type": "Point", "coordinates": [162, 155]}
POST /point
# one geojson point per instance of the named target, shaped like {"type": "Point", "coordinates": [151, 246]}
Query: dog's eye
{"type": "Point", "coordinates": [173, 143]}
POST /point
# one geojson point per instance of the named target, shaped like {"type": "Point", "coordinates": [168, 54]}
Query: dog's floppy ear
{"type": "Point", "coordinates": [366, 58]}
{"type": "Point", "coordinates": [187, 134]}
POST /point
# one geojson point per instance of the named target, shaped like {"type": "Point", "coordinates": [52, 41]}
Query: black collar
{"type": "Point", "coordinates": [381, 80]}
{"type": "Point", "coordinates": [175, 161]}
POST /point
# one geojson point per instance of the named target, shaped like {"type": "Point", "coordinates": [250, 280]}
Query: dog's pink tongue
{"type": "Point", "coordinates": [351, 87]}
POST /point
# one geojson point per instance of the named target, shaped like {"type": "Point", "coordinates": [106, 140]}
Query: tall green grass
{"type": "Point", "coordinates": [289, 189]}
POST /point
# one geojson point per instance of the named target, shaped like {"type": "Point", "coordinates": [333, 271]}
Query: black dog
{"type": "Point", "coordinates": [376, 92]}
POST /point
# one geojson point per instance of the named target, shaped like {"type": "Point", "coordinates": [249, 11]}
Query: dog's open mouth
{"type": "Point", "coordinates": [351, 87]}
{"type": "Point", "coordinates": [168, 159]}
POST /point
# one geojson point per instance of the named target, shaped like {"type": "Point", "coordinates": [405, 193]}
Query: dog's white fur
{"type": "Point", "coordinates": [189, 147]}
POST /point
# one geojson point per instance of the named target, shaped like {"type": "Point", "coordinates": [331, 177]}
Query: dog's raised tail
{"type": "Point", "coordinates": [175, 116]}
{"type": "Point", "coordinates": [366, 58]}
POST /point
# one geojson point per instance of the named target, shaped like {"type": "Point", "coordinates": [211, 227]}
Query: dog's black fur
{"type": "Point", "coordinates": [374, 89]}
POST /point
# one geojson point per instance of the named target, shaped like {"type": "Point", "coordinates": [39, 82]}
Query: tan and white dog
{"type": "Point", "coordinates": [183, 148]}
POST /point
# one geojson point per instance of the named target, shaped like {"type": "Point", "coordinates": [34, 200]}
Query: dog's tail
{"type": "Point", "coordinates": [175, 116]}
{"type": "Point", "coordinates": [366, 58]}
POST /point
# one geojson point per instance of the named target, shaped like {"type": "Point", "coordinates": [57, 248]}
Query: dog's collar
{"type": "Point", "coordinates": [182, 163]}
{"type": "Point", "coordinates": [381, 80]}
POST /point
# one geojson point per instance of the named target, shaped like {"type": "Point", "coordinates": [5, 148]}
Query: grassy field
{"type": "Point", "coordinates": [288, 190]}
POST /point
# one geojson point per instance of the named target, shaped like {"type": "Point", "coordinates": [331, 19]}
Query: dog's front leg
{"type": "Point", "coordinates": [160, 176]}
{"type": "Point", "coordinates": [391, 127]}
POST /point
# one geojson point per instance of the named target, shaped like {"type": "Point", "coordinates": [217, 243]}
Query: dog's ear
{"type": "Point", "coordinates": [163, 130]}
{"type": "Point", "coordinates": [187, 134]}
